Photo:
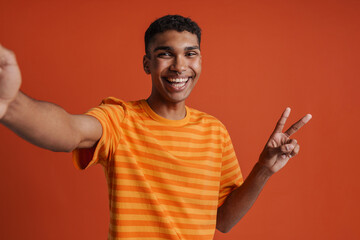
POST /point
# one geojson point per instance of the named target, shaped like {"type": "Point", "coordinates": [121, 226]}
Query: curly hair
{"type": "Point", "coordinates": [171, 22]}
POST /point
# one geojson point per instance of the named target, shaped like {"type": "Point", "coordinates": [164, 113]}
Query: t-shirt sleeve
{"type": "Point", "coordinates": [110, 116]}
{"type": "Point", "coordinates": [231, 177]}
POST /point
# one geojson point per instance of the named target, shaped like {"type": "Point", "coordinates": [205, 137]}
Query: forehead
{"type": "Point", "coordinates": [175, 39]}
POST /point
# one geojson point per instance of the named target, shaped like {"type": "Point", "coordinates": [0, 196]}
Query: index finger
{"type": "Point", "coordinates": [280, 124]}
{"type": "Point", "coordinates": [299, 124]}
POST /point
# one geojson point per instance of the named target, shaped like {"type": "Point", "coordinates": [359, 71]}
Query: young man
{"type": "Point", "coordinates": [171, 170]}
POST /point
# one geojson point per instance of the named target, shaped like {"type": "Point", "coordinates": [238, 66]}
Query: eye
{"type": "Point", "coordinates": [191, 54]}
{"type": "Point", "coordinates": [164, 55]}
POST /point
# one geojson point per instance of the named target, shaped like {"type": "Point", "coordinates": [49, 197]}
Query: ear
{"type": "Point", "coordinates": [146, 64]}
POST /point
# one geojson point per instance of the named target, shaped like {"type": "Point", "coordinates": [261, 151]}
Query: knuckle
{"type": "Point", "coordinates": [296, 150]}
{"type": "Point", "coordinates": [287, 148]}
{"type": "Point", "coordinates": [295, 128]}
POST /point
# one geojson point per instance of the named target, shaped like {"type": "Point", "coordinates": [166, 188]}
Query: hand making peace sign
{"type": "Point", "coordinates": [280, 148]}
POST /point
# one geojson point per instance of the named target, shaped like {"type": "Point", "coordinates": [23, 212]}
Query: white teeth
{"type": "Point", "coordinates": [178, 85]}
{"type": "Point", "coordinates": [177, 80]}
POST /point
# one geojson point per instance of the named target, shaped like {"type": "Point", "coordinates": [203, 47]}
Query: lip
{"type": "Point", "coordinates": [176, 76]}
{"type": "Point", "coordinates": [179, 78]}
{"type": "Point", "coordinates": [171, 86]}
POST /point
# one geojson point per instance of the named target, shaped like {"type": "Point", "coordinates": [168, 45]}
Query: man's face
{"type": "Point", "coordinates": [174, 64]}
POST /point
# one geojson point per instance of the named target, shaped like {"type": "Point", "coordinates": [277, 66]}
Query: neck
{"type": "Point", "coordinates": [171, 111]}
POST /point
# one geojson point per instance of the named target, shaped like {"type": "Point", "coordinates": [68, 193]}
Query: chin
{"type": "Point", "coordinates": [177, 99]}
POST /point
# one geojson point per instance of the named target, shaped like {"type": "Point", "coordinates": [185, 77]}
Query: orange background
{"type": "Point", "coordinates": [258, 58]}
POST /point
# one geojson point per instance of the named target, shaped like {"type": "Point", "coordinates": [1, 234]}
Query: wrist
{"type": "Point", "coordinates": [262, 171]}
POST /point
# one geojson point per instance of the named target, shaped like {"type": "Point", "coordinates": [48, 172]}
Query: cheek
{"type": "Point", "coordinates": [196, 65]}
{"type": "Point", "coordinates": [159, 65]}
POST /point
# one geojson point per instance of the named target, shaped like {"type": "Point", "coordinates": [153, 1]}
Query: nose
{"type": "Point", "coordinates": [179, 65]}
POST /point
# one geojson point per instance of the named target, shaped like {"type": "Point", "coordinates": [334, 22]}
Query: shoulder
{"type": "Point", "coordinates": [113, 107]}
{"type": "Point", "coordinates": [205, 118]}
{"type": "Point", "coordinates": [112, 103]}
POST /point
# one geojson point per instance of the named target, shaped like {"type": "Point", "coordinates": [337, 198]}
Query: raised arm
{"type": "Point", "coordinates": [277, 152]}
{"type": "Point", "coordinates": [41, 123]}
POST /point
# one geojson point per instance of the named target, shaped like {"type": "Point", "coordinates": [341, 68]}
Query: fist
{"type": "Point", "coordinates": [10, 79]}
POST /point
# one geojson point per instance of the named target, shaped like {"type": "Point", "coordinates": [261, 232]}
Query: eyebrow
{"type": "Point", "coordinates": [168, 48]}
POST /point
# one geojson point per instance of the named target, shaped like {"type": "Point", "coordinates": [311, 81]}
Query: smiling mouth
{"type": "Point", "coordinates": [177, 82]}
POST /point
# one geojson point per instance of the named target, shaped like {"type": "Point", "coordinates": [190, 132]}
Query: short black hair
{"type": "Point", "coordinates": [171, 22]}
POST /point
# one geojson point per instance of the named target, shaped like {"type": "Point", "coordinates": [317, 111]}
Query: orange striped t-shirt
{"type": "Point", "coordinates": [166, 178]}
